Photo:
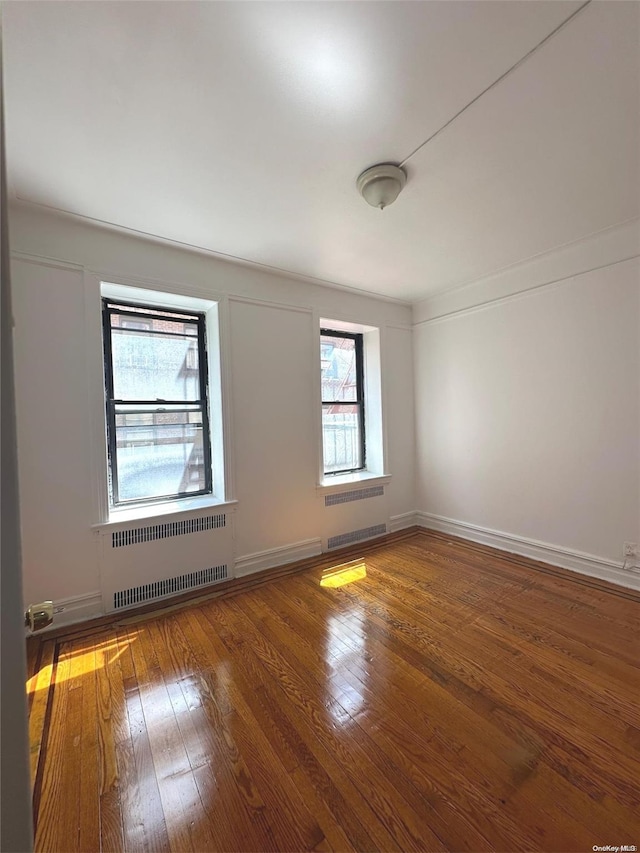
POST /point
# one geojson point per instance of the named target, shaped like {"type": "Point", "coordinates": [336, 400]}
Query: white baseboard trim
{"type": "Point", "coordinates": [261, 560]}
{"type": "Point", "coordinates": [76, 608]}
{"type": "Point", "coordinates": [556, 555]}
{"type": "Point", "coordinates": [400, 522]}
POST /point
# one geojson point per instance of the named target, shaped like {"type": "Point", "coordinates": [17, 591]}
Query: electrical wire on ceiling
{"type": "Point", "coordinates": [498, 79]}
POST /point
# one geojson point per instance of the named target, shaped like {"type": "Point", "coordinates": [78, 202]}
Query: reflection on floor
{"type": "Point", "coordinates": [428, 695]}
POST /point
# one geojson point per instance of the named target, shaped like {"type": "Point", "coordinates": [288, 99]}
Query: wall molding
{"type": "Point", "coordinates": [246, 263]}
{"type": "Point", "coordinates": [267, 303]}
{"type": "Point", "coordinates": [556, 555]}
{"type": "Point", "coordinates": [274, 557]}
{"type": "Point", "coordinates": [521, 294]}
{"type": "Point", "coordinates": [402, 521]}
{"type": "Point", "coordinates": [617, 244]}
{"type": "Point", "coordinates": [399, 327]}
{"type": "Point", "coordinates": [42, 261]}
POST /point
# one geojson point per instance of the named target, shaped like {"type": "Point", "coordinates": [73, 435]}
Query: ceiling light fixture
{"type": "Point", "coordinates": [380, 185]}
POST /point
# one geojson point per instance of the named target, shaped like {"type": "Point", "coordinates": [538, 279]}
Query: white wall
{"type": "Point", "coordinates": [272, 362]}
{"type": "Point", "coordinates": [528, 408]}
{"type": "Point", "coordinates": [400, 415]}
{"type": "Point", "coordinates": [274, 426]}
{"type": "Point", "coordinates": [16, 819]}
{"type": "Point", "coordinates": [53, 433]}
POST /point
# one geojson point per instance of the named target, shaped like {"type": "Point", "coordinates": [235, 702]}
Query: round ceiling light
{"type": "Point", "coordinates": [380, 185]}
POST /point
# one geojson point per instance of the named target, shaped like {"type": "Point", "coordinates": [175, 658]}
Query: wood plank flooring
{"type": "Point", "coordinates": [453, 698]}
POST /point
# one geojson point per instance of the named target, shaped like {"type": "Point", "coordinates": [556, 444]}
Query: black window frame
{"type": "Point", "coordinates": [117, 306]}
{"type": "Point", "coordinates": [358, 338]}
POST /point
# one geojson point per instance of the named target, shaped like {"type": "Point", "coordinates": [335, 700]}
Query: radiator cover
{"type": "Point", "coordinates": [143, 562]}
{"type": "Point", "coordinates": [169, 586]}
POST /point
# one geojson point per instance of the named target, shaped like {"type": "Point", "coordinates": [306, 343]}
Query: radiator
{"type": "Point", "coordinates": [141, 563]}
{"type": "Point", "coordinates": [354, 515]}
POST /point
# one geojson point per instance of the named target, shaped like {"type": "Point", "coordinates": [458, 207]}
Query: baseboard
{"type": "Point", "coordinates": [575, 561]}
{"type": "Point", "coordinates": [400, 522]}
{"type": "Point", "coordinates": [76, 608]}
{"type": "Point", "coordinates": [273, 557]}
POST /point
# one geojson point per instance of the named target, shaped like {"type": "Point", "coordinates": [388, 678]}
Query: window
{"type": "Point", "coordinates": [343, 429]}
{"type": "Point", "coordinates": [156, 400]}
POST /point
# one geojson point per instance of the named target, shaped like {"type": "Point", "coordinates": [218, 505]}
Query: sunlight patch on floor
{"type": "Point", "coordinates": [337, 576]}
{"type": "Point", "coordinates": [83, 661]}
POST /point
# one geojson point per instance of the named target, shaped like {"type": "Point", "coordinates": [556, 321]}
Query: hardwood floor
{"type": "Point", "coordinates": [453, 698]}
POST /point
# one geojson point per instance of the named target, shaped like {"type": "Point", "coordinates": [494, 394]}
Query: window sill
{"type": "Point", "coordinates": [177, 510]}
{"type": "Point", "coordinates": [344, 482]}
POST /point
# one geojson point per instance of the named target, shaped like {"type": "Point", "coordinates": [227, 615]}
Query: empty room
{"type": "Point", "coordinates": [321, 426]}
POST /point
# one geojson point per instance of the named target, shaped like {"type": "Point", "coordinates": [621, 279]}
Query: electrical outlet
{"type": "Point", "coordinates": [630, 549]}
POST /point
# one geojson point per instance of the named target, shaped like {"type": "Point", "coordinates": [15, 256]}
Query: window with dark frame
{"type": "Point", "coordinates": [156, 403]}
{"type": "Point", "coordinates": [343, 436]}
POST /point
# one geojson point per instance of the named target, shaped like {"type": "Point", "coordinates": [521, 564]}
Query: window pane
{"type": "Point", "coordinates": [338, 358]}
{"type": "Point", "coordinates": [341, 438]}
{"type": "Point", "coordinates": [153, 366]}
{"type": "Point", "coordinates": [159, 453]}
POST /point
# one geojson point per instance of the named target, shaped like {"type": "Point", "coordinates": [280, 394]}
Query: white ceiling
{"type": "Point", "coordinates": [241, 127]}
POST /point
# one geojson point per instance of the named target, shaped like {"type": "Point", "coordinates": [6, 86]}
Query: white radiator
{"type": "Point", "coordinates": [141, 563]}
{"type": "Point", "coordinates": [354, 515]}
